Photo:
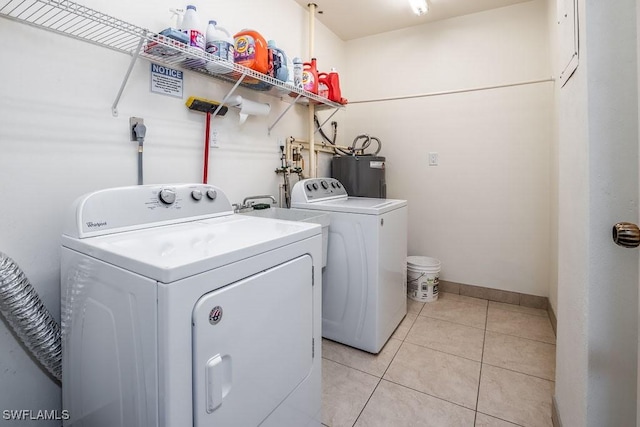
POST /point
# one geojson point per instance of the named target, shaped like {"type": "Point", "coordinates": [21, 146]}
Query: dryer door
{"type": "Point", "coordinates": [252, 345]}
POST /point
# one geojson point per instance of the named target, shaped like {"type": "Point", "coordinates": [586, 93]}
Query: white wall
{"type": "Point", "coordinates": [485, 210]}
{"type": "Point", "coordinates": [598, 186]}
{"type": "Point", "coordinates": [59, 140]}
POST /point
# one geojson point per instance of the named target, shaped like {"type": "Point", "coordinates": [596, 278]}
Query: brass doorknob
{"type": "Point", "coordinates": [626, 234]}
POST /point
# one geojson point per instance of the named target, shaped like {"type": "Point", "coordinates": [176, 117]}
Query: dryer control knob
{"type": "Point", "coordinates": [324, 184]}
{"type": "Point", "coordinates": [196, 195]}
{"type": "Point", "coordinates": [167, 196]}
{"type": "Point", "coordinates": [211, 194]}
{"type": "Point", "coordinates": [315, 186]}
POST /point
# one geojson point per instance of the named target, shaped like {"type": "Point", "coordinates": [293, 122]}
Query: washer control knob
{"type": "Point", "coordinates": [211, 194]}
{"type": "Point", "coordinates": [167, 196]}
{"type": "Point", "coordinates": [315, 186]}
{"type": "Point", "coordinates": [333, 184]}
{"type": "Point", "coordinates": [338, 185]}
{"type": "Point", "coordinates": [196, 195]}
{"type": "Point", "coordinates": [324, 184]}
{"type": "Point", "coordinates": [309, 187]}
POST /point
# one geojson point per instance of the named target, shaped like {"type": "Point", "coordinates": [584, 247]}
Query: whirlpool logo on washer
{"type": "Point", "coordinates": [98, 224]}
{"type": "Point", "coordinates": [215, 315]}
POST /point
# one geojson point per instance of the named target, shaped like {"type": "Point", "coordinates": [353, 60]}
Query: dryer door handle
{"type": "Point", "coordinates": [218, 381]}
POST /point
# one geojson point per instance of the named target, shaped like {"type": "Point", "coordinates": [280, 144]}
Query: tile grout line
{"type": "Point", "coordinates": [382, 376]}
{"type": "Point", "coordinates": [351, 367]}
{"type": "Point", "coordinates": [366, 403]}
{"type": "Point", "coordinates": [518, 336]}
{"type": "Point", "coordinates": [485, 328]}
{"type": "Point", "coordinates": [501, 419]}
{"type": "Point", "coordinates": [450, 321]}
{"type": "Point", "coordinates": [420, 391]}
{"type": "Point", "coordinates": [445, 352]}
{"type": "Point", "coordinates": [484, 340]}
{"type": "Point", "coordinates": [482, 363]}
{"type": "Point", "coordinates": [518, 372]}
{"type": "Point", "coordinates": [428, 394]}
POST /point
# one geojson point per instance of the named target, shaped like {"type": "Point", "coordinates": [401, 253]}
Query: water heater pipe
{"type": "Point", "coordinates": [324, 148]}
{"type": "Point", "coordinates": [312, 110]}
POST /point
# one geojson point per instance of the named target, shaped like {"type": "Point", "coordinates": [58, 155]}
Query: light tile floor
{"type": "Point", "coordinates": [458, 361]}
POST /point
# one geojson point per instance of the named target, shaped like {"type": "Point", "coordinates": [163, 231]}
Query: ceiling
{"type": "Point", "coordinates": [352, 19]}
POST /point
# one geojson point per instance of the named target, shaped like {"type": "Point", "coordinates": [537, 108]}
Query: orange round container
{"type": "Point", "coordinates": [251, 51]}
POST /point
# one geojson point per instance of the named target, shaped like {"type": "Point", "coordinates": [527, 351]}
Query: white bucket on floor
{"type": "Point", "coordinates": [423, 277]}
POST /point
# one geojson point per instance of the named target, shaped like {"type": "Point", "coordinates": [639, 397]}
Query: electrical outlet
{"type": "Point", "coordinates": [433, 159]}
{"type": "Point", "coordinates": [132, 122]}
{"type": "Point", "coordinates": [214, 138]}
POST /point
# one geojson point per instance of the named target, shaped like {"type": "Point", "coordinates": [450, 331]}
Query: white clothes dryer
{"type": "Point", "coordinates": [177, 312]}
{"type": "Point", "coordinates": [364, 295]}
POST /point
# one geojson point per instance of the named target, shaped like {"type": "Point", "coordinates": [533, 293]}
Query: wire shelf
{"type": "Point", "coordinates": [76, 21]}
{"type": "Point", "coordinates": [172, 53]}
{"type": "Point", "coordinates": [89, 25]}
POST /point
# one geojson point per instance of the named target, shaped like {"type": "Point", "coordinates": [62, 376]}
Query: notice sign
{"type": "Point", "coordinates": [166, 81]}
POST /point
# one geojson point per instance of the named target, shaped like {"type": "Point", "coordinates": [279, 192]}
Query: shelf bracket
{"type": "Point", "coordinates": [134, 58]}
{"type": "Point", "coordinates": [328, 118]}
{"type": "Point", "coordinates": [283, 113]}
{"type": "Point", "coordinates": [228, 95]}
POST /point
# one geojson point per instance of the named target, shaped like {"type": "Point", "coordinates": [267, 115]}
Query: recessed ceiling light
{"type": "Point", "coordinates": [419, 7]}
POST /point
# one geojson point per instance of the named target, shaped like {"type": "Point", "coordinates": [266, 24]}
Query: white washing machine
{"type": "Point", "coordinates": [364, 283]}
{"type": "Point", "coordinates": [177, 312]}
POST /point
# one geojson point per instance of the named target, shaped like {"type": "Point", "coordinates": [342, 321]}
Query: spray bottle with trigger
{"type": "Point", "coordinates": [177, 14]}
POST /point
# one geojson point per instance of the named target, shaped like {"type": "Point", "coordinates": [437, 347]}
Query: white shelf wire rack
{"type": "Point", "coordinates": [89, 25]}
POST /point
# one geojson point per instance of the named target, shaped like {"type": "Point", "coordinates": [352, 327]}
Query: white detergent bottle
{"type": "Point", "coordinates": [219, 43]}
{"type": "Point", "coordinates": [297, 72]}
{"type": "Point", "coordinates": [192, 28]}
{"type": "Point", "coordinates": [290, 71]}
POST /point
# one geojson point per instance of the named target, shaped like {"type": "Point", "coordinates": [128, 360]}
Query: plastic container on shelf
{"type": "Point", "coordinates": [251, 51]}
{"type": "Point", "coordinates": [219, 43]}
{"type": "Point", "coordinates": [297, 72]}
{"type": "Point", "coordinates": [333, 81]}
{"type": "Point", "coordinates": [169, 43]}
{"type": "Point", "coordinates": [289, 71]}
{"type": "Point", "coordinates": [310, 76]}
{"type": "Point", "coordinates": [193, 29]}
{"type": "Point", "coordinates": [178, 14]}
{"type": "Point", "coordinates": [323, 85]}
{"type": "Point", "coordinates": [280, 70]}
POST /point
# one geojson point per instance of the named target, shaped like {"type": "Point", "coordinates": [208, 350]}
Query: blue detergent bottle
{"type": "Point", "coordinates": [280, 70]}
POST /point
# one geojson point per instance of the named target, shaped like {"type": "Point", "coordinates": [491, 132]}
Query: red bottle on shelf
{"type": "Point", "coordinates": [333, 81]}
{"type": "Point", "coordinates": [310, 76]}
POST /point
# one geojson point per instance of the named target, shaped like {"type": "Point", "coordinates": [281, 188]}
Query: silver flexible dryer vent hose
{"type": "Point", "coordinates": [31, 321]}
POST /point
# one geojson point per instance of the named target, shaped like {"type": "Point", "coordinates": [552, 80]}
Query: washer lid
{"type": "Point", "coordinates": [361, 205]}
{"type": "Point", "coordinates": [173, 252]}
